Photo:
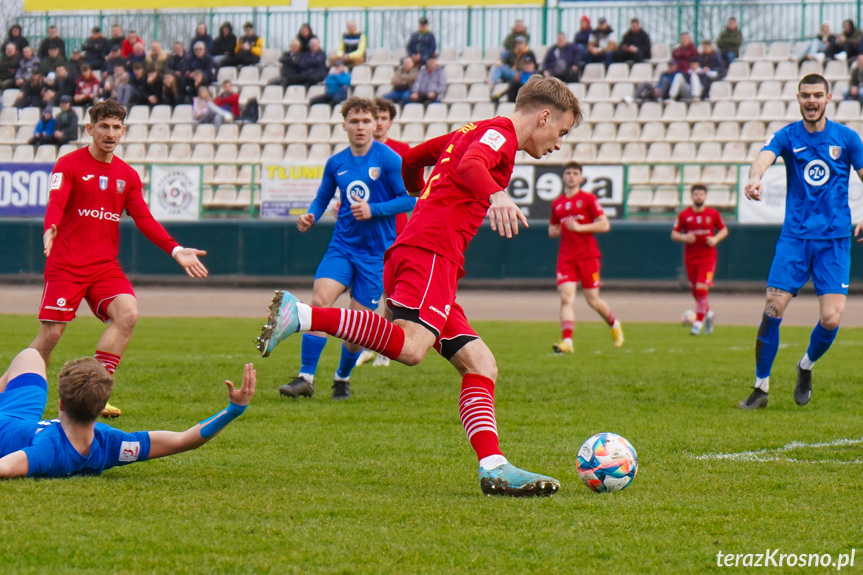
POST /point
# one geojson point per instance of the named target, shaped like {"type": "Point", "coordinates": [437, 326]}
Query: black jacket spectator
{"type": "Point", "coordinates": [201, 35]}
{"type": "Point", "coordinates": [177, 61]}
{"type": "Point", "coordinates": [95, 49]}
{"type": "Point", "coordinates": [114, 59]}
{"type": "Point", "coordinates": [305, 36]}
{"type": "Point", "coordinates": [200, 60]}
{"type": "Point", "coordinates": [172, 94]}
{"type": "Point", "coordinates": [224, 43]}
{"type": "Point", "coordinates": [290, 62]}
{"type": "Point", "coordinates": [634, 46]}
{"type": "Point", "coordinates": [32, 92]}
{"type": "Point", "coordinates": [9, 62]}
{"type": "Point", "coordinates": [52, 41]}
{"type": "Point", "coordinates": [422, 43]}
{"type": "Point", "coordinates": [66, 123]}
{"type": "Point", "coordinates": [563, 61]}
{"type": "Point", "coordinates": [63, 84]}
{"type": "Point", "coordinates": [16, 38]}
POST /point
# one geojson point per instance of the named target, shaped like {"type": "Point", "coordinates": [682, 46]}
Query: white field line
{"type": "Point", "coordinates": [775, 453]}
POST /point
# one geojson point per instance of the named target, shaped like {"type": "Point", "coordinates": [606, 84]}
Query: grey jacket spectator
{"type": "Point", "coordinates": [729, 41]}
{"type": "Point", "coordinates": [9, 63]}
{"type": "Point", "coordinates": [422, 43]}
{"type": "Point", "coordinates": [51, 41]}
{"type": "Point", "coordinates": [28, 64]}
{"type": "Point", "coordinates": [95, 49]}
{"type": "Point", "coordinates": [430, 83]}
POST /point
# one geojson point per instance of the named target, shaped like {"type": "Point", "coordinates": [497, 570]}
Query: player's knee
{"type": "Point", "coordinates": [830, 319]}
{"type": "Point", "coordinates": [412, 354]}
{"type": "Point", "coordinates": [126, 316]}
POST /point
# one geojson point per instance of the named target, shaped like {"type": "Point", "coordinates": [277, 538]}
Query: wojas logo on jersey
{"type": "Point", "coordinates": [99, 214]}
{"type": "Point", "coordinates": [357, 192]}
{"type": "Point", "coordinates": [816, 173]}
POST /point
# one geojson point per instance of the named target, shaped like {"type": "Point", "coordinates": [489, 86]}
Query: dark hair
{"type": "Point", "coordinates": [385, 105]}
{"type": "Point", "coordinates": [85, 386]}
{"type": "Point", "coordinates": [814, 79]}
{"type": "Point", "coordinates": [698, 187]}
{"type": "Point", "coordinates": [358, 104]}
{"type": "Point", "coordinates": [107, 109]}
{"type": "Point", "coordinates": [573, 166]}
{"type": "Point", "coordinates": [226, 25]}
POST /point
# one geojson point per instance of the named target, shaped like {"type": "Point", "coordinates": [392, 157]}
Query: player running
{"type": "Point", "coordinates": [575, 217]}
{"type": "Point", "coordinates": [473, 166]}
{"type": "Point", "coordinates": [368, 174]}
{"type": "Point", "coordinates": [89, 189]}
{"type": "Point", "coordinates": [815, 238]}
{"type": "Point", "coordinates": [74, 444]}
{"type": "Point", "coordinates": [700, 228]}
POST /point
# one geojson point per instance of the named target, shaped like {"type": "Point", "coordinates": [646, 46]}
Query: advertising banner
{"type": "Point", "coordinates": [66, 5]}
{"type": "Point", "coordinates": [175, 192]}
{"type": "Point", "coordinates": [288, 190]}
{"type": "Point", "coordinates": [24, 189]}
{"type": "Point", "coordinates": [534, 187]}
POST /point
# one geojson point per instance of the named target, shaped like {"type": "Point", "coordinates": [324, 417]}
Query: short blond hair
{"type": "Point", "coordinates": [85, 386]}
{"type": "Point", "coordinates": [540, 92]}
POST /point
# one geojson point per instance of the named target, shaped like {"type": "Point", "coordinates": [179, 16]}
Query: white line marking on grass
{"type": "Point", "coordinates": [774, 454]}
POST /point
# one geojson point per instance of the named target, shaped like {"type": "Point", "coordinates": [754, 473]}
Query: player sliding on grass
{"type": "Point", "coordinates": [74, 444]}
{"type": "Point", "coordinates": [815, 238]}
{"type": "Point", "coordinates": [473, 166]}
{"type": "Point", "coordinates": [90, 189]}
{"type": "Point", "coordinates": [575, 217]}
{"type": "Point", "coordinates": [368, 174]}
{"type": "Point", "coordinates": [700, 228]}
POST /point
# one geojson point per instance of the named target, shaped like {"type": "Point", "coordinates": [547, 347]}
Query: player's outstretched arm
{"type": "Point", "coordinates": [14, 465]}
{"type": "Point", "coordinates": [164, 443]}
{"type": "Point", "coordinates": [188, 259]}
{"type": "Point", "coordinates": [753, 187]}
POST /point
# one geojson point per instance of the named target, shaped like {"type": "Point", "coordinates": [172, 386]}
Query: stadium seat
{"type": "Point", "coordinates": [581, 133]}
{"type": "Point", "coordinates": [274, 114]}
{"type": "Point", "coordinates": [157, 152]}
{"type": "Point", "coordinates": [447, 55]}
{"type": "Point", "coordinates": [413, 133]}
{"type": "Point", "coordinates": [273, 153]}
{"type": "Point", "coordinates": [604, 132]}
{"type": "Point", "coordinates": [578, 89]}
{"type": "Point", "coordinates": [678, 132]}
{"type": "Point", "coordinates": [698, 111]}
{"type": "Point", "coordinates": [477, 93]}
{"type": "Point", "coordinates": [754, 52]}
{"type": "Point", "coordinates": [299, 133]}
{"type": "Point", "coordinates": [471, 55]}
{"type": "Point", "coordinates": [638, 174]}
{"type": "Point", "coordinates": [46, 154]}
{"type": "Point", "coordinates": [318, 134]}
{"type": "Point", "coordinates": [724, 110]}
{"type": "Point", "coordinates": [761, 71]}
{"type": "Point", "coordinates": [435, 112]}
{"type": "Point", "coordinates": [183, 114]}
{"type": "Point", "coordinates": [160, 114]}
{"type": "Point", "coordinates": [483, 111]}
{"type": "Point", "coordinates": [618, 72]}
{"type": "Point", "coordinates": [504, 109]}
{"type": "Point", "coordinates": [9, 97]}
{"type": "Point", "coordinates": [584, 152]}
{"type": "Point", "coordinates": [182, 133]}
{"type": "Point", "coordinates": [683, 152]}
{"type": "Point", "coordinates": [361, 75]}
{"type": "Point", "coordinates": [273, 134]}
{"type": "Point", "coordinates": [708, 152]}
{"type": "Point", "coordinates": [29, 117]}
{"type": "Point", "coordinates": [135, 152]}
{"type": "Point", "coordinates": [227, 133]}
{"type": "Point", "coordinates": [809, 67]}
{"type": "Point", "coordinates": [475, 74]}
{"type": "Point", "coordinates": [8, 116]}
{"type": "Point", "coordinates": [459, 113]}
{"type": "Point", "coordinates": [317, 113]}
{"type": "Point", "coordinates": [159, 133]}
{"type": "Point", "coordinates": [674, 111]}
{"type": "Point", "coordinates": [226, 152]}
{"type": "Point", "coordinates": [268, 73]}
{"type": "Point", "coordinates": [136, 133]}
{"type": "Point", "coordinates": [839, 88]}
{"type": "Point", "coordinates": [269, 56]}
{"type": "Point", "coordinates": [249, 92]}
{"type": "Point", "coordinates": [623, 111]}
{"type": "Point", "coordinates": [454, 73]}
{"type": "Point", "coordinates": [597, 92]}
{"type": "Point", "coordinates": [491, 55]}
{"type": "Point", "coordinates": [458, 93]}
{"type": "Point", "coordinates": [227, 73]}
{"type": "Point", "coordinates": [271, 95]}
{"type": "Point", "coordinates": [753, 131]}
{"type": "Point", "coordinates": [748, 110]}
{"type": "Point", "coordinates": [7, 133]}
{"type": "Point", "coordinates": [727, 132]}
{"type": "Point", "coordinates": [138, 115]}
{"type": "Point", "coordinates": [65, 149]}
{"type": "Point", "coordinates": [649, 111]}
{"type": "Point", "coordinates": [338, 135]}
{"type": "Point", "coordinates": [382, 75]}
{"type": "Point", "coordinates": [847, 111]}
{"type": "Point", "coordinates": [773, 111]}
{"type": "Point", "coordinates": [379, 56]}
{"type": "Point", "coordinates": [737, 71]}
{"type": "Point", "coordinates": [319, 153]}
{"type": "Point", "coordinates": [5, 153]}
{"type": "Point", "coordinates": [639, 197]}
{"type": "Point", "coordinates": [248, 75]}
{"type": "Point", "coordinates": [295, 153]}
{"type": "Point", "coordinates": [691, 174]}
{"type": "Point", "coordinates": [785, 71]}
{"type": "Point", "coordinates": [652, 132]}
{"type": "Point", "coordinates": [610, 152]}
{"type": "Point", "coordinates": [720, 91]}
{"type": "Point", "coordinates": [181, 152]}
{"type": "Point", "coordinates": [436, 129]}
{"type": "Point", "coordinates": [203, 153]}
{"type": "Point", "coordinates": [294, 95]}
{"type": "Point", "coordinates": [593, 73]}
{"type": "Point", "coordinates": [204, 133]}
{"type": "Point", "coordinates": [628, 132]}
{"type": "Point", "coordinates": [734, 152]}
{"type": "Point", "coordinates": [250, 133]}
{"type": "Point", "coordinates": [667, 196]}
{"type": "Point", "coordinates": [659, 54]}
{"type": "Point", "coordinates": [658, 152]}
{"type": "Point", "coordinates": [768, 91]}
{"type": "Point", "coordinates": [249, 153]}
{"type": "Point", "coordinates": [747, 89]}
{"type": "Point", "coordinates": [789, 91]}
{"type": "Point", "coordinates": [641, 72]}
{"type": "Point", "coordinates": [620, 91]}
{"type": "Point", "coordinates": [23, 135]}
{"type": "Point", "coordinates": [835, 71]}
{"type": "Point", "coordinates": [633, 152]}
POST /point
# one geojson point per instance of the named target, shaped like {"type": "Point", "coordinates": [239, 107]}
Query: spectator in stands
{"type": "Point", "coordinates": [563, 60]}
{"type": "Point", "coordinates": [855, 83]}
{"type": "Point", "coordinates": [53, 39]}
{"type": "Point", "coordinates": [157, 58]}
{"type": "Point", "coordinates": [430, 83]}
{"type": "Point", "coordinates": [206, 111]}
{"type": "Point", "coordinates": [202, 35]}
{"type": "Point", "coordinates": [729, 41]}
{"type": "Point", "coordinates": [95, 48]}
{"type": "Point", "coordinates": [305, 36]}
{"type": "Point", "coordinates": [32, 92]}
{"type": "Point", "coordinates": [137, 86]}
{"type": "Point", "coordinates": [87, 87]}
{"type": "Point", "coordinates": [518, 29]}
{"type": "Point", "coordinates": [176, 62]}
{"type": "Point", "coordinates": [816, 47]}
{"type": "Point", "coordinates": [62, 84]}
{"type": "Point", "coordinates": [228, 100]}
{"type": "Point", "coordinates": [43, 133]}
{"type": "Point", "coordinates": [9, 64]}
{"type": "Point", "coordinates": [602, 46]}
{"type": "Point", "coordinates": [224, 43]}
{"type": "Point", "coordinates": [290, 62]}
{"type": "Point", "coordinates": [153, 88]}
{"type": "Point", "coordinates": [313, 65]}
{"type": "Point", "coordinates": [403, 81]}
{"type": "Point", "coordinates": [138, 55]}
{"type": "Point", "coordinates": [249, 48]}
{"type": "Point", "coordinates": [29, 63]}
{"type": "Point", "coordinates": [200, 60]}
{"type": "Point", "coordinates": [193, 85]}
{"type": "Point", "coordinates": [66, 123]}
{"type": "Point", "coordinates": [128, 45]}
{"type": "Point", "coordinates": [49, 64]}
{"type": "Point", "coordinates": [171, 93]}
{"type": "Point", "coordinates": [635, 44]}
{"type": "Point", "coordinates": [76, 60]}
{"type": "Point", "coordinates": [114, 60]}
{"type": "Point", "coordinates": [352, 46]}
{"type": "Point", "coordinates": [707, 69]}
{"type": "Point", "coordinates": [582, 37]}
{"type": "Point", "coordinates": [506, 70]}
{"type": "Point", "coordinates": [14, 36]}
{"type": "Point", "coordinates": [117, 38]}
{"type": "Point", "coordinates": [685, 53]}
{"type": "Point", "coordinates": [846, 46]}
{"type": "Point", "coordinates": [117, 87]}
{"type": "Point", "coordinates": [672, 85]}
{"type": "Point", "coordinates": [528, 70]}
{"type": "Point", "coordinates": [338, 81]}
{"type": "Point", "coordinates": [422, 43]}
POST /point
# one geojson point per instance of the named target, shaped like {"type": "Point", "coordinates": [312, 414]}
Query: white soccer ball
{"type": "Point", "coordinates": [607, 462]}
{"type": "Point", "coordinates": [687, 318]}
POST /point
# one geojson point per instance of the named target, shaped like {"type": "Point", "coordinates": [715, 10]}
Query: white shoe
{"type": "Point", "coordinates": [366, 356]}
{"type": "Point", "coordinates": [696, 328]}
{"type": "Point", "coordinates": [708, 322]}
{"type": "Point", "coordinates": [381, 361]}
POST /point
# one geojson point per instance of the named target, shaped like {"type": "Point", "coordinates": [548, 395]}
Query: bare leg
{"type": "Point", "coordinates": [27, 361]}
{"type": "Point", "coordinates": [567, 301]}
{"type": "Point", "coordinates": [591, 296]}
{"type": "Point", "coordinates": [47, 338]}
{"type": "Point", "coordinates": [123, 312]}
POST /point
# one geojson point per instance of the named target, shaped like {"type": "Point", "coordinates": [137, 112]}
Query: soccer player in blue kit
{"type": "Point", "coordinates": [74, 444]}
{"type": "Point", "coordinates": [368, 176]}
{"type": "Point", "coordinates": [816, 234]}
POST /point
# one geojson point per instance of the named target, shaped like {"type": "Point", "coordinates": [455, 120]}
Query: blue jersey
{"type": "Point", "coordinates": [817, 167]}
{"type": "Point", "coordinates": [375, 178]}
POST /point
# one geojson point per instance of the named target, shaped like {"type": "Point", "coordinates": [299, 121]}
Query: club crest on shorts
{"type": "Point", "coordinates": [835, 152]}
{"type": "Point", "coordinates": [374, 173]}
{"type": "Point", "coordinates": [121, 186]}
{"type": "Point", "coordinates": [103, 182]}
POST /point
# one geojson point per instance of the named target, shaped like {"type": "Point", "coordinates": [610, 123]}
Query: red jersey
{"type": "Point", "coordinates": [86, 201]}
{"type": "Point", "coordinates": [703, 224]}
{"type": "Point", "coordinates": [584, 208]}
{"type": "Point", "coordinates": [400, 148]}
{"type": "Point", "coordinates": [450, 210]}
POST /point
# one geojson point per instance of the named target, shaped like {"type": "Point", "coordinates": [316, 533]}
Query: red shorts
{"type": "Point", "coordinates": [61, 298]}
{"type": "Point", "coordinates": [418, 279]}
{"type": "Point", "coordinates": [584, 270]}
{"type": "Point", "coordinates": [700, 271]}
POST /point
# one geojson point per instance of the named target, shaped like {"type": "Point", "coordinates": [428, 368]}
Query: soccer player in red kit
{"type": "Point", "coordinates": [700, 228]}
{"type": "Point", "coordinates": [89, 189]}
{"type": "Point", "coordinates": [472, 168]}
{"type": "Point", "coordinates": [575, 217]}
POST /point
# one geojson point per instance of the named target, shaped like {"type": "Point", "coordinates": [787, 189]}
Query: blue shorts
{"type": "Point", "coordinates": [364, 277]}
{"type": "Point", "coordinates": [24, 398]}
{"type": "Point", "coordinates": [827, 261]}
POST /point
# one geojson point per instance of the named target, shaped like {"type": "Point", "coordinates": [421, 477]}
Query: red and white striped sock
{"type": "Point", "coordinates": [701, 305]}
{"type": "Point", "coordinates": [109, 360]}
{"type": "Point", "coordinates": [566, 329]}
{"type": "Point", "coordinates": [365, 328]}
{"type": "Point", "coordinates": [476, 409]}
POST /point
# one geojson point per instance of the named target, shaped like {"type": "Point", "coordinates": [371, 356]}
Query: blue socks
{"type": "Point", "coordinates": [347, 362]}
{"type": "Point", "coordinates": [820, 341]}
{"type": "Point", "coordinates": [310, 353]}
{"type": "Point", "coordinates": [766, 345]}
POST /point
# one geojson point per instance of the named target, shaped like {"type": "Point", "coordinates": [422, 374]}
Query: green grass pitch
{"type": "Point", "coordinates": [386, 482]}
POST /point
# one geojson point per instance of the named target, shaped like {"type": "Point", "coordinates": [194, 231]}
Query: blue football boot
{"type": "Point", "coordinates": [508, 479]}
{"type": "Point", "coordinates": [281, 322]}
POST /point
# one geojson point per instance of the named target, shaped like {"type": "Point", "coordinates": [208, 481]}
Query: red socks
{"type": "Point", "coordinates": [476, 409]}
{"type": "Point", "coordinates": [566, 329]}
{"type": "Point", "coordinates": [701, 305]}
{"type": "Point", "coordinates": [109, 360]}
{"type": "Point", "coordinates": [365, 328]}
{"type": "Point", "coordinates": [611, 319]}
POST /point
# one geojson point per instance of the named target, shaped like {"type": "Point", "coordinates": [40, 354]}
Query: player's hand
{"type": "Point", "coordinates": [188, 258]}
{"type": "Point", "coordinates": [305, 221]}
{"type": "Point", "coordinates": [243, 396]}
{"type": "Point", "coordinates": [753, 189]}
{"type": "Point", "coordinates": [857, 231]}
{"type": "Point", "coordinates": [48, 239]}
{"type": "Point", "coordinates": [504, 215]}
{"type": "Point", "coordinates": [711, 241]}
{"type": "Point", "coordinates": [362, 211]}
{"type": "Point", "coordinates": [689, 238]}
{"type": "Point", "coordinates": [337, 205]}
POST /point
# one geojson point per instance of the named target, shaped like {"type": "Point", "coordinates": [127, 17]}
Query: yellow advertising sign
{"type": "Point", "coordinates": [67, 5]}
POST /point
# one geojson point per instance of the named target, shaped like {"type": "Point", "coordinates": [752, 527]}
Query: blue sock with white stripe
{"type": "Point", "coordinates": [766, 345]}
{"type": "Point", "coordinates": [819, 342]}
{"type": "Point", "coordinates": [347, 362]}
{"type": "Point", "coordinates": [310, 353]}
